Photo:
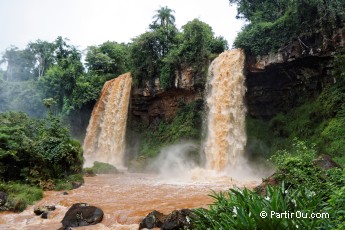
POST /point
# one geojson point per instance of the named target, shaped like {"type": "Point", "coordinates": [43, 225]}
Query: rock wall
{"type": "Point", "coordinates": [280, 81]}
{"type": "Point", "coordinates": [151, 104]}
{"type": "Point", "coordinates": [275, 82]}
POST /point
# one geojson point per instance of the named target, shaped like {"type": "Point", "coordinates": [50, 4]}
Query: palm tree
{"type": "Point", "coordinates": [164, 17]}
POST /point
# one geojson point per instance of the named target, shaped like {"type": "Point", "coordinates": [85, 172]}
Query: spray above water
{"type": "Point", "coordinates": [105, 136]}
{"type": "Point", "coordinates": [225, 132]}
{"type": "Point", "coordinates": [226, 136]}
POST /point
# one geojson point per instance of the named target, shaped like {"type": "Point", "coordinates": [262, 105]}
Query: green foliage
{"type": "Point", "coordinates": [272, 24]}
{"type": "Point", "coordinates": [19, 64]}
{"type": "Point", "coordinates": [238, 209]}
{"type": "Point", "coordinates": [320, 121]}
{"type": "Point", "coordinates": [20, 195]}
{"type": "Point", "coordinates": [163, 18]}
{"type": "Point", "coordinates": [335, 205]}
{"type": "Point", "coordinates": [161, 52]}
{"type": "Point", "coordinates": [36, 150]}
{"type": "Point", "coordinates": [305, 188]}
{"type": "Point", "coordinates": [186, 125]}
{"type": "Point", "coordinates": [108, 58]}
{"type": "Point", "coordinates": [103, 168]}
{"type": "Point", "coordinates": [67, 183]}
{"type": "Point", "coordinates": [296, 167]}
{"type": "Point", "coordinates": [263, 37]}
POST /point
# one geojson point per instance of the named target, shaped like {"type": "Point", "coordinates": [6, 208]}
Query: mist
{"type": "Point", "coordinates": [177, 164]}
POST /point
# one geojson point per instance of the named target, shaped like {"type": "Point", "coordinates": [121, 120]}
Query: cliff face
{"type": "Point", "coordinates": [280, 81]}
{"type": "Point", "coordinates": [151, 103]}
{"type": "Point", "coordinates": [275, 83]}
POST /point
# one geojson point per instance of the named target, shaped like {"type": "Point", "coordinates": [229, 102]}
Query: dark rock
{"type": "Point", "coordinates": [3, 198]}
{"type": "Point", "coordinates": [76, 184]}
{"type": "Point", "coordinates": [81, 214]}
{"type": "Point", "coordinates": [326, 162]}
{"type": "Point", "coordinates": [154, 219]}
{"type": "Point", "coordinates": [38, 210]}
{"type": "Point", "coordinates": [65, 193]}
{"type": "Point", "coordinates": [271, 180]}
{"type": "Point", "coordinates": [282, 80]}
{"type": "Point", "coordinates": [45, 215]}
{"type": "Point", "coordinates": [178, 219]}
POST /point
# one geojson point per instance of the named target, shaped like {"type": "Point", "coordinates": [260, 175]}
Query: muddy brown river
{"type": "Point", "coordinates": [125, 199]}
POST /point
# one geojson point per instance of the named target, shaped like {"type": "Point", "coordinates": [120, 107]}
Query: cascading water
{"type": "Point", "coordinates": [226, 137]}
{"type": "Point", "coordinates": [105, 136]}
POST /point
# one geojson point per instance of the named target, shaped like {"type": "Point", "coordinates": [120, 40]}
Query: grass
{"type": "Point", "coordinates": [20, 195]}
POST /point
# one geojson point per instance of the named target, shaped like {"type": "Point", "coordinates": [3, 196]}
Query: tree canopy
{"type": "Point", "coordinates": [54, 71]}
{"type": "Point", "coordinates": [272, 24]}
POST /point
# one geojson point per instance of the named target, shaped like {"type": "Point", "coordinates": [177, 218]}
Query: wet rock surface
{"type": "Point", "coordinates": [177, 219]}
{"type": "Point", "coordinates": [281, 80]}
{"type": "Point", "coordinates": [154, 219]}
{"type": "Point", "coordinates": [38, 210]}
{"type": "Point", "coordinates": [261, 188]}
{"type": "Point", "coordinates": [325, 162]}
{"type": "Point", "coordinates": [81, 214]}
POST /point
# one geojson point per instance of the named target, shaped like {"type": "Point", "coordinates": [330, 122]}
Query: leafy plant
{"type": "Point", "coordinates": [36, 150]}
{"type": "Point", "coordinates": [242, 209]}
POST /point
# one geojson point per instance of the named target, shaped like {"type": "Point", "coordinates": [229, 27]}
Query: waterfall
{"type": "Point", "coordinates": [225, 137]}
{"type": "Point", "coordinates": [105, 136]}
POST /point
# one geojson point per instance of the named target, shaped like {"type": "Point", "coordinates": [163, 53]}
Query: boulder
{"type": "Point", "coordinates": [154, 219]}
{"type": "Point", "coordinates": [76, 184]}
{"type": "Point", "coordinates": [45, 215]}
{"type": "Point", "coordinates": [261, 188]}
{"type": "Point", "coordinates": [81, 214]}
{"type": "Point", "coordinates": [325, 162]}
{"type": "Point", "coordinates": [178, 219]}
{"type": "Point", "coordinates": [38, 210]}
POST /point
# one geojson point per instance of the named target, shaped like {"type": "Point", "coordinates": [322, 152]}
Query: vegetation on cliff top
{"type": "Point", "coordinates": [273, 24]}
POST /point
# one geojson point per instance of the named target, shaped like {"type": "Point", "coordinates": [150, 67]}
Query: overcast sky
{"type": "Point", "coordinates": [92, 22]}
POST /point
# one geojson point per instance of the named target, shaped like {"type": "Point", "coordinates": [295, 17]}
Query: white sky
{"type": "Point", "coordinates": [92, 22]}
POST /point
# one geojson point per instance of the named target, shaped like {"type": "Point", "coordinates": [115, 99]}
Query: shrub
{"type": "Point", "coordinates": [103, 168]}
{"type": "Point", "coordinates": [36, 150]}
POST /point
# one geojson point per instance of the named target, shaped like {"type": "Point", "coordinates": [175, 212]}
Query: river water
{"type": "Point", "coordinates": [125, 199]}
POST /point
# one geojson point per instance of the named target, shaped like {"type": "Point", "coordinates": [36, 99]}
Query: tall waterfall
{"type": "Point", "coordinates": [105, 136]}
{"type": "Point", "coordinates": [226, 137]}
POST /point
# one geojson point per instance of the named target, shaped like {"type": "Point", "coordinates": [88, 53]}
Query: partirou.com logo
{"type": "Point", "coordinates": [290, 215]}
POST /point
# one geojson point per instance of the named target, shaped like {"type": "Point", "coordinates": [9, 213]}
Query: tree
{"type": "Point", "coordinates": [36, 150]}
{"type": "Point", "coordinates": [108, 58]}
{"type": "Point", "coordinates": [197, 37]}
{"type": "Point", "coordinates": [272, 24]}
{"type": "Point", "coordinates": [20, 64]}
{"type": "Point", "coordinates": [146, 57]}
{"type": "Point", "coordinates": [60, 79]}
{"type": "Point", "coordinates": [164, 18]}
{"type": "Point", "coordinates": [44, 56]}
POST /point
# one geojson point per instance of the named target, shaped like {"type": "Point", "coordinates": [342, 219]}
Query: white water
{"type": "Point", "coordinates": [105, 136]}
{"type": "Point", "coordinates": [226, 137]}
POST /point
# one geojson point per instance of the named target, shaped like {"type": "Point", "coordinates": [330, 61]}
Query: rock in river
{"type": "Point", "coordinates": [81, 214]}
